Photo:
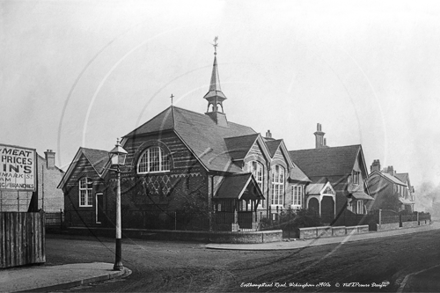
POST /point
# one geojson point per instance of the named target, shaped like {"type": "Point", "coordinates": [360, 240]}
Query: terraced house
{"type": "Point", "coordinates": [390, 190]}
{"type": "Point", "coordinates": [187, 170]}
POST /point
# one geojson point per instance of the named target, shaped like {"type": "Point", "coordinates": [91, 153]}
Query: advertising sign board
{"type": "Point", "coordinates": [17, 168]}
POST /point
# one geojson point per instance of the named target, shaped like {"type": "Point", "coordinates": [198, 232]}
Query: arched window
{"type": "Point", "coordinates": [85, 192]}
{"type": "Point", "coordinates": [257, 169]}
{"type": "Point", "coordinates": [278, 175]}
{"type": "Point", "coordinates": [153, 159]}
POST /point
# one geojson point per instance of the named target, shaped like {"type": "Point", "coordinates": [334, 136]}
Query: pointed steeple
{"type": "Point", "coordinates": [215, 96]}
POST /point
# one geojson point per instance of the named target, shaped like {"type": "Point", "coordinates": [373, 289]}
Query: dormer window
{"type": "Point", "coordinates": [153, 159]}
{"type": "Point", "coordinates": [355, 177]}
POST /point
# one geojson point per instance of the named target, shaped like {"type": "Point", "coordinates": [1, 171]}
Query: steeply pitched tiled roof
{"type": "Point", "coordinates": [315, 188]}
{"type": "Point", "coordinates": [161, 122]}
{"type": "Point", "coordinates": [325, 162]}
{"type": "Point", "coordinates": [239, 146]}
{"type": "Point", "coordinates": [404, 177]}
{"type": "Point", "coordinates": [236, 185]}
{"type": "Point", "coordinates": [97, 158]}
{"type": "Point", "coordinates": [272, 146]}
{"type": "Point", "coordinates": [361, 195]}
{"type": "Point", "coordinates": [392, 178]}
{"type": "Point", "coordinates": [203, 136]}
{"type": "Point", "coordinates": [297, 174]}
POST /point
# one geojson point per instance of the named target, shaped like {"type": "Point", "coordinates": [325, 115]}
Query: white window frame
{"type": "Point", "coordinates": [360, 207]}
{"type": "Point", "coordinates": [278, 183]}
{"type": "Point", "coordinates": [97, 207]}
{"type": "Point", "coordinates": [297, 196]}
{"type": "Point", "coordinates": [85, 188]}
{"type": "Point", "coordinates": [356, 177]}
{"type": "Point", "coordinates": [145, 161]}
{"type": "Point", "coordinates": [257, 169]}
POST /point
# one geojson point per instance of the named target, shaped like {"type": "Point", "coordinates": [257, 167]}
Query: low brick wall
{"type": "Point", "coordinates": [357, 229]}
{"type": "Point", "coordinates": [425, 222]}
{"type": "Point", "coordinates": [327, 231]}
{"type": "Point", "coordinates": [338, 231]}
{"type": "Point", "coordinates": [389, 226]}
{"type": "Point", "coordinates": [198, 236]}
{"type": "Point", "coordinates": [410, 224]}
{"type": "Point", "coordinates": [324, 231]}
{"type": "Point", "coordinates": [363, 229]}
{"type": "Point", "coordinates": [307, 233]}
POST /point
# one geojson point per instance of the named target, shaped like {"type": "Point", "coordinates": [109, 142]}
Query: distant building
{"type": "Point", "coordinates": [50, 199]}
{"type": "Point", "coordinates": [390, 190]}
{"type": "Point", "coordinates": [338, 177]}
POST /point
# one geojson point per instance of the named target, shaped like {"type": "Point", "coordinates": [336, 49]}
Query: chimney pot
{"type": "Point", "coordinates": [268, 134]}
{"type": "Point", "coordinates": [319, 137]}
{"type": "Point", "coordinates": [375, 166]}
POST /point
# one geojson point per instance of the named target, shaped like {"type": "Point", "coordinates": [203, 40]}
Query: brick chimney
{"type": "Point", "coordinates": [319, 137]}
{"type": "Point", "coordinates": [268, 134]}
{"type": "Point", "coordinates": [50, 159]}
{"type": "Point", "coordinates": [375, 166]}
{"type": "Point", "coordinates": [390, 170]}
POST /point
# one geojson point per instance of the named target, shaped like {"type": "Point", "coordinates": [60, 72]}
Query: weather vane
{"type": "Point", "coordinates": [172, 97]}
{"type": "Point", "coordinates": [215, 45]}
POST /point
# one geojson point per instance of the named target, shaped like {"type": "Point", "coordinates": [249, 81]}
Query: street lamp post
{"type": "Point", "coordinates": [117, 157]}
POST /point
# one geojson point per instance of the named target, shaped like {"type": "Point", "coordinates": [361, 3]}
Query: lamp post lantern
{"type": "Point", "coordinates": [117, 157]}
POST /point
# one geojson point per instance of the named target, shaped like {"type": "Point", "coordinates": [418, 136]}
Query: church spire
{"type": "Point", "coordinates": [215, 96]}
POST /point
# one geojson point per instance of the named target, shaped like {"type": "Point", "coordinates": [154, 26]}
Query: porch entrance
{"type": "Point", "coordinates": [245, 220]}
{"type": "Point", "coordinates": [327, 209]}
{"type": "Point", "coordinates": [236, 203]}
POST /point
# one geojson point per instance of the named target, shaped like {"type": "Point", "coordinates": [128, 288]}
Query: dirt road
{"type": "Point", "coordinates": [377, 265]}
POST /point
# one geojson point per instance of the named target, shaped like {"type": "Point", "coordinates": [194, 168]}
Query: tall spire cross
{"type": "Point", "coordinates": [172, 98]}
{"type": "Point", "coordinates": [215, 45]}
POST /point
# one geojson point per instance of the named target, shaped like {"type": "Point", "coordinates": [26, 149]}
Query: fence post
{"type": "Point", "coordinates": [380, 218]}
{"type": "Point", "coordinates": [400, 220]}
{"type": "Point", "coordinates": [418, 219]}
{"type": "Point", "coordinates": [61, 218]}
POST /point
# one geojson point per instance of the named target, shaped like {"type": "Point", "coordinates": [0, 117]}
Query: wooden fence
{"type": "Point", "coordinates": [22, 239]}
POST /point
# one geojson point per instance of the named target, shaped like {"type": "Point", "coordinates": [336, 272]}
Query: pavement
{"type": "Point", "coordinates": [51, 278]}
{"type": "Point", "coordinates": [297, 243]}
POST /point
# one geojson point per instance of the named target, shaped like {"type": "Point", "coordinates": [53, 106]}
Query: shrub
{"type": "Point", "coordinates": [290, 221]}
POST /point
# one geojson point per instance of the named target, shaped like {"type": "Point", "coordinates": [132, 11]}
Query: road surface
{"type": "Point", "coordinates": [377, 265]}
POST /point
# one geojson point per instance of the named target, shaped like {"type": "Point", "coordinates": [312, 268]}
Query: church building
{"type": "Point", "coordinates": [187, 170]}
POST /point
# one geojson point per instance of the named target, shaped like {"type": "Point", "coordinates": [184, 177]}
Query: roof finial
{"type": "Point", "coordinates": [172, 98]}
{"type": "Point", "coordinates": [215, 45]}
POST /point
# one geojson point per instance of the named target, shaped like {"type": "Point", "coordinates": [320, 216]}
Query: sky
{"type": "Point", "coordinates": [83, 73]}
